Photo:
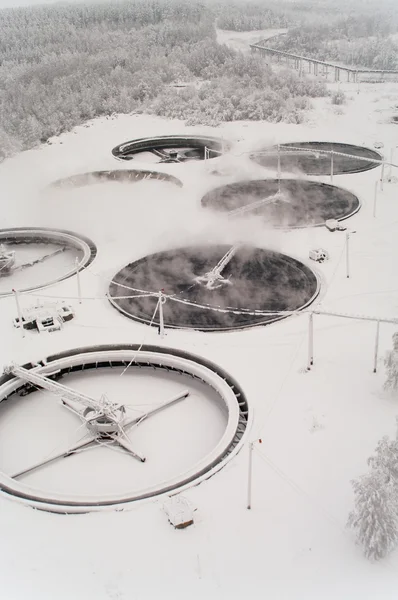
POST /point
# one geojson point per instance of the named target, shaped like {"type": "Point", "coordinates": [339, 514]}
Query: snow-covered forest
{"type": "Point", "coordinates": [253, 15]}
{"type": "Point", "coordinates": [64, 64]}
{"type": "Point", "coordinates": [365, 37]}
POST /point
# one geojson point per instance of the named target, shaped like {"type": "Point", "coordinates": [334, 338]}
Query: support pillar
{"type": "Point", "coordinates": [310, 360]}
{"type": "Point", "coordinates": [382, 176]}
{"type": "Point", "coordinates": [19, 312]}
{"type": "Point", "coordinates": [375, 198]}
{"type": "Point", "coordinates": [376, 347]}
{"type": "Point", "coordinates": [347, 254]}
{"type": "Point", "coordinates": [249, 478]}
{"type": "Point", "coordinates": [162, 300]}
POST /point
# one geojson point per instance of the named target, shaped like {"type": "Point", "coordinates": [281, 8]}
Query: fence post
{"type": "Point", "coordinates": [331, 166]}
{"type": "Point", "coordinates": [376, 347]}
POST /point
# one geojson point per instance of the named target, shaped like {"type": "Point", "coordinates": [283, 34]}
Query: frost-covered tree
{"type": "Point", "coordinates": [391, 364]}
{"type": "Point", "coordinates": [385, 460]}
{"type": "Point", "coordinates": [374, 515]}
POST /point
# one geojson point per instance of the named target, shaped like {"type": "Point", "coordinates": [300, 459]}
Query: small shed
{"type": "Point", "coordinates": [179, 512]}
{"type": "Point", "coordinates": [319, 255]}
{"type": "Point", "coordinates": [334, 225]}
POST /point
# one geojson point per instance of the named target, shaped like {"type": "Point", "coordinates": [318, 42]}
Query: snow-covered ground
{"type": "Point", "coordinates": [317, 428]}
{"type": "Point", "coordinates": [241, 40]}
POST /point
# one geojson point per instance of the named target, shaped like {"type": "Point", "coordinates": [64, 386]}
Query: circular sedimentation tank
{"type": "Point", "coordinates": [41, 257]}
{"type": "Point", "coordinates": [254, 287]}
{"type": "Point", "coordinates": [300, 203]}
{"type": "Point", "coordinates": [314, 158]}
{"type": "Point", "coordinates": [171, 149]}
{"type": "Point", "coordinates": [118, 176]}
{"type": "Point", "coordinates": [186, 414]}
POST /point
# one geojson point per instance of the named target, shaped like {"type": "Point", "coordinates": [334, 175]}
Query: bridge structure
{"type": "Point", "coordinates": [323, 68]}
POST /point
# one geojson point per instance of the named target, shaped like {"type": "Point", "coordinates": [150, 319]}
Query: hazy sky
{"type": "Point", "coordinates": [8, 3]}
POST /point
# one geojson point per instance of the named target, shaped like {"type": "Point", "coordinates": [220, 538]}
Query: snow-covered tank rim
{"type": "Point", "coordinates": [358, 159]}
{"type": "Point", "coordinates": [84, 245]}
{"type": "Point", "coordinates": [125, 150]}
{"type": "Point", "coordinates": [72, 361]}
{"type": "Point", "coordinates": [117, 175]}
{"type": "Point", "coordinates": [256, 319]}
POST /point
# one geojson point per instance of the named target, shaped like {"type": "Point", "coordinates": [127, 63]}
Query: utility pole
{"type": "Point", "coordinates": [310, 361]}
{"type": "Point", "coordinates": [347, 254]}
{"type": "Point", "coordinates": [376, 347]}
{"type": "Point", "coordinates": [161, 319]}
{"type": "Point", "coordinates": [19, 312]}
{"type": "Point", "coordinates": [382, 176]}
{"type": "Point", "coordinates": [375, 198]}
{"type": "Point", "coordinates": [279, 168]}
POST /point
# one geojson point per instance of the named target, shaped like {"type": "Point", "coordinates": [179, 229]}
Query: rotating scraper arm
{"type": "Point", "coordinates": [220, 266]}
{"type": "Point", "coordinates": [257, 204]}
{"type": "Point", "coordinates": [213, 279]}
{"type": "Point", "coordinates": [31, 376]}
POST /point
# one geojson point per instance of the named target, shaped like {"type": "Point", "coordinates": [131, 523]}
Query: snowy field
{"type": "Point", "coordinates": [317, 428]}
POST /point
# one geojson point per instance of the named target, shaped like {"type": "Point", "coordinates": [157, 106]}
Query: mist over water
{"type": "Point", "coordinates": [256, 279]}
{"type": "Point", "coordinates": [132, 220]}
{"type": "Point", "coordinates": [301, 202]}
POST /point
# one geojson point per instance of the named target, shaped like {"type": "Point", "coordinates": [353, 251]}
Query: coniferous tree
{"type": "Point", "coordinates": [391, 364]}
{"type": "Point", "coordinates": [374, 516]}
{"type": "Point", "coordinates": [385, 460]}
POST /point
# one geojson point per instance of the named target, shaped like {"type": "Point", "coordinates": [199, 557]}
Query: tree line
{"type": "Point", "coordinates": [61, 65]}
{"type": "Point", "coordinates": [360, 40]}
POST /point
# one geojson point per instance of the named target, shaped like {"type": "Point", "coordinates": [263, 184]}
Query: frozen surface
{"type": "Point", "coordinates": [56, 261]}
{"type": "Point", "coordinates": [37, 426]}
{"type": "Point", "coordinates": [317, 428]}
